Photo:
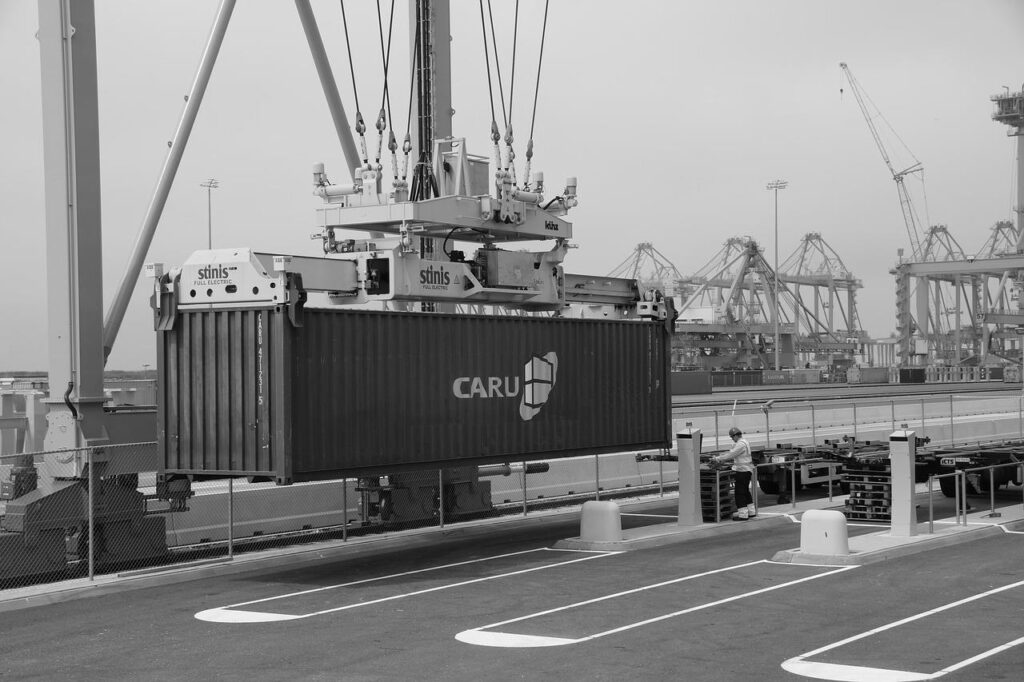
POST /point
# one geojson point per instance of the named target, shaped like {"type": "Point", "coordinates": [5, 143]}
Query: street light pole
{"type": "Point", "coordinates": [775, 186]}
{"type": "Point", "coordinates": [210, 184]}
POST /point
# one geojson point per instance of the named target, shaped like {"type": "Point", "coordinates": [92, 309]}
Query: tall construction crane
{"type": "Point", "coordinates": [910, 217]}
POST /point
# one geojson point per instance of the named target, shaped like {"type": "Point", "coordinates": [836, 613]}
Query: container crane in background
{"type": "Point", "coordinates": [725, 314]}
{"type": "Point", "coordinates": [650, 268]}
{"type": "Point", "coordinates": [821, 282]}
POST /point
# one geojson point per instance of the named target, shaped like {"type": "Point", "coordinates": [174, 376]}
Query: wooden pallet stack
{"type": "Point", "coordinates": [720, 489]}
{"type": "Point", "coordinates": [870, 493]}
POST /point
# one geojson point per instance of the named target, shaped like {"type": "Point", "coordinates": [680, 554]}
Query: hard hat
{"type": "Point", "coordinates": [735, 432]}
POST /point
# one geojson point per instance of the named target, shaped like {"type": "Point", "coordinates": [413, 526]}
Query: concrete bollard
{"type": "Point", "coordinates": [823, 532]}
{"type": "Point", "coordinates": [600, 522]}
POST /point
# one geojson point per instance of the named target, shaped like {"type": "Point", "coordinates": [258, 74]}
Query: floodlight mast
{"type": "Point", "coordinates": [775, 186]}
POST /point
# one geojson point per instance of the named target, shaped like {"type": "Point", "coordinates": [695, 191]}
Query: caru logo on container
{"type": "Point", "coordinates": [539, 375]}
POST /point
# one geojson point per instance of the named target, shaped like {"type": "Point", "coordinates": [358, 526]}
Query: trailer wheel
{"type": "Point", "coordinates": [948, 486]}
{"type": "Point", "coordinates": [769, 487]}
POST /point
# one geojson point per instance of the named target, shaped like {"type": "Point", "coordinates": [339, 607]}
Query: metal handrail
{"type": "Point", "coordinates": [960, 491]}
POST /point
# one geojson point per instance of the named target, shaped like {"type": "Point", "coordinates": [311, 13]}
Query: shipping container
{"type": "Point", "coordinates": [867, 375]}
{"type": "Point", "coordinates": [912, 375]}
{"type": "Point", "coordinates": [691, 382]}
{"type": "Point", "coordinates": [351, 392]}
{"type": "Point", "coordinates": [737, 377]}
{"type": "Point", "coordinates": [805, 376]}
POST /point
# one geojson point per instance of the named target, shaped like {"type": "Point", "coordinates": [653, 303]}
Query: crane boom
{"type": "Point", "coordinates": [910, 218]}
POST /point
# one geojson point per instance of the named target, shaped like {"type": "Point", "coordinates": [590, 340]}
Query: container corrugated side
{"type": "Point", "coordinates": [360, 391]}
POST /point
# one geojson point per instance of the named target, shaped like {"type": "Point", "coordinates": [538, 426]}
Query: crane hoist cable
{"type": "Point", "coordinates": [497, 64]}
{"type": "Point", "coordinates": [384, 119]}
{"type": "Point", "coordinates": [536, 91]}
{"type": "Point", "coordinates": [360, 124]}
{"type": "Point", "coordinates": [495, 135]}
{"type": "Point", "coordinates": [509, 165]}
{"type": "Point", "coordinates": [407, 142]}
{"type": "Point", "coordinates": [512, 80]}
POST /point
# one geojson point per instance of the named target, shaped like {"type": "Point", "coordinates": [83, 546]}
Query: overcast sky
{"type": "Point", "coordinates": [673, 115]}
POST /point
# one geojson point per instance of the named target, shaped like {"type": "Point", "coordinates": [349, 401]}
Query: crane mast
{"type": "Point", "coordinates": [910, 218]}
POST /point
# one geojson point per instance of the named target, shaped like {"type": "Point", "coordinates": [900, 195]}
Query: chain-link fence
{"type": "Point", "coordinates": [89, 511]}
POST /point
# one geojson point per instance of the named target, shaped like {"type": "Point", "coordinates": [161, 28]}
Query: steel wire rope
{"type": "Point", "coordinates": [495, 135]}
{"type": "Point", "coordinates": [386, 95]}
{"type": "Point", "coordinates": [497, 65]}
{"type": "Point", "coordinates": [512, 78]}
{"type": "Point", "coordinates": [536, 92]}
{"type": "Point", "coordinates": [407, 143]}
{"type": "Point", "coordinates": [360, 125]}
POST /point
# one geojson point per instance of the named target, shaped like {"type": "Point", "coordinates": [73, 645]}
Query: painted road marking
{"type": "Point", "coordinates": [234, 614]}
{"type": "Point", "coordinates": [486, 636]}
{"type": "Point", "coordinates": [799, 665]}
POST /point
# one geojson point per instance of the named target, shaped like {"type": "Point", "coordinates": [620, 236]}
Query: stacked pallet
{"type": "Point", "coordinates": [718, 489]}
{"type": "Point", "coordinates": [870, 493]}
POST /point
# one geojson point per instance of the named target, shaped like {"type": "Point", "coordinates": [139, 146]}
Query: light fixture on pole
{"type": "Point", "coordinates": [775, 186]}
{"type": "Point", "coordinates": [210, 184]}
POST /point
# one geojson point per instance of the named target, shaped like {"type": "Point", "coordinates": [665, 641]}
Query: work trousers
{"type": "Point", "coordinates": [743, 497]}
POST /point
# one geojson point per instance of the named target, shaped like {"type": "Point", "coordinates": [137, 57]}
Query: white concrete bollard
{"type": "Point", "coordinates": [823, 531]}
{"type": "Point", "coordinates": [601, 522]}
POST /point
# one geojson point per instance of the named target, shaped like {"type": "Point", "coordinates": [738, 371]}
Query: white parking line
{"type": "Point", "coordinates": [852, 673]}
{"type": "Point", "coordinates": [232, 614]}
{"type": "Point", "coordinates": [484, 636]}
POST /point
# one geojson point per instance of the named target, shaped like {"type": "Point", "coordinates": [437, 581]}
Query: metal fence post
{"type": "Point", "coordinates": [963, 497]}
{"type": "Point", "coordinates": [231, 518]}
{"type": "Point", "coordinates": [956, 494]}
{"type": "Point", "coordinates": [597, 478]}
{"type": "Point", "coordinates": [855, 425]}
{"type": "Point", "coordinates": [754, 489]}
{"type": "Point", "coordinates": [831, 475]}
{"type": "Point", "coordinates": [344, 510]}
{"type": "Point", "coordinates": [661, 478]}
{"type": "Point", "coordinates": [931, 505]}
{"type": "Point", "coordinates": [814, 428]}
{"type": "Point", "coordinates": [92, 516]}
{"type": "Point", "coordinates": [950, 418]}
{"type": "Point", "coordinates": [767, 429]}
{"type": "Point", "coordinates": [892, 413]}
{"type": "Point", "coordinates": [992, 493]}
{"type": "Point", "coordinates": [922, 415]}
{"type": "Point", "coordinates": [718, 495]}
{"type": "Point", "coordinates": [524, 488]}
{"type": "Point", "coordinates": [440, 496]}
{"type": "Point", "coordinates": [792, 487]}
{"type": "Point", "coordinates": [717, 441]}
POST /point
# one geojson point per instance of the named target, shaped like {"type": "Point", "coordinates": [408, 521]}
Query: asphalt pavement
{"type": "Point", "coordinates": [501, 599]}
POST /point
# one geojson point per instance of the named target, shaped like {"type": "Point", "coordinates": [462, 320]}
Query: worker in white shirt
{"type": "Point", "coordinates": [743, 466]}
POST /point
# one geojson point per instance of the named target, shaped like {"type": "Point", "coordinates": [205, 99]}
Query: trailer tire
{"type": "Point", "coordinates": [768, 487]}
{"type": "Point", "coordinates": [948, 486]}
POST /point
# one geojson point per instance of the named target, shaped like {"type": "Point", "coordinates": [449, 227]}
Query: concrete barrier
{"type": "Point", "coordinates": [823, 532]}
{"type": "Point", "coordinates": [600, 522]}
